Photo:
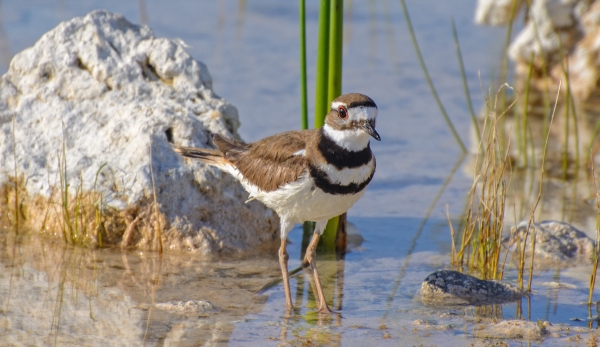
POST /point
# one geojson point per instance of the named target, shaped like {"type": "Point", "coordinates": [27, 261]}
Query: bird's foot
{"type": "Point", "coordinates": [289, 308]}
{"type": "Point", "coordinates": [324, 309]}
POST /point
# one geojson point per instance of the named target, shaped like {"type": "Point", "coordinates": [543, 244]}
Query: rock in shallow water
{"type": "Point", "coordinates": [496, 12]}
{"type": "Point", "coordinates": [192, 307]}
{"type": "Point", "coordinates": [449, 288]}
{"type": "Point", "coordinates": [112, 93]}
{"type": "Point", "coordinates": [553, 30]}
{"type": "Point", "coordinates": [511, 329]}
{"type": "Point", "coordinates": [556, 243]}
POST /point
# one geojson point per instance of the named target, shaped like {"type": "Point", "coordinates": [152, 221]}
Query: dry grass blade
{"type": "Point", "coordinates": [595, 255]}
{"type": "Point", "coordinates": [434, 92]}
{"type": "Point", "coordinates": [14, 120]}
{"type": "Point", "coordinates": [79, 216]}
{"type": "Point", "coordinates": [158, 234]}
{"type": "Point", "coordinates": [481, 240]}
{"type": "Point", "coordinates": [534, 208]}
{"type": "Point", "coordinates": [453, 254]}
{"type": "Point", "coordinates": [463, 75]}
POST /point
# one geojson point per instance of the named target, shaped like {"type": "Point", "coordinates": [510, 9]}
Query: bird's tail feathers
{"type": "Point", "coordinates": [206, 155]}
{"type": "Point", "coordinates": [228, 146]}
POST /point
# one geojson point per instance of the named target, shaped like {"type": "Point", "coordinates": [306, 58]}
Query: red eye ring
{"type": "Point", "coordinates": [342, 112]}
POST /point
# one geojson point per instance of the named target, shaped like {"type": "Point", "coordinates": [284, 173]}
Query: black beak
{"type": "Point", "coordinates": [370, 129]}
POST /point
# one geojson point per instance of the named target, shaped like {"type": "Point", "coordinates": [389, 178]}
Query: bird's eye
{"type": "Point", "coordinates": [342, 112]}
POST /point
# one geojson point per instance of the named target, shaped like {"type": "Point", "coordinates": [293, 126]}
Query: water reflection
{"type": "Point", "coordinates": [239, 20]}
{"type": "Point", "coordinates": [403, 269]}
{"type": "Point", "coordinates": [143, 12]}
{"type": "Point", "coordinates": [56, 294]}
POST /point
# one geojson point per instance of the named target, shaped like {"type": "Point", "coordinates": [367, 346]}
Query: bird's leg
{"type": "Point", "coordinates": [283, 262]}
{"type": "Point", "coordinates": [310, 258]}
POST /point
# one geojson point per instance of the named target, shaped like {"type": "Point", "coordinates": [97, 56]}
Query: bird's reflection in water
{"type": "Point", "coordinates": [331, 269]}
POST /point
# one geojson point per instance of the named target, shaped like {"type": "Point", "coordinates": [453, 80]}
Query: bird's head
{"type": "Point", "coordinates": [351, 121]}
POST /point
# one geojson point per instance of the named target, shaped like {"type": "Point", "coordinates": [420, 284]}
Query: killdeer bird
{"type": "Point", "coordinates": [307, 175]}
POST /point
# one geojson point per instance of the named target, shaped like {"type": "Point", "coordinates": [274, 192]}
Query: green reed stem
{"type": "Point", "coordinates": [391, 37]}
{"type": "Point", "coordinates": [595, 256]}
{"type": "Point", "coordinates": [525, 114]}
{"type": "Point", "coordinates": [590, 147]}
{"type": "Point", "coordinates": [308, 226]}
{"type": "Point", "coordinates": [64, 186]}
{"type": "Point", "coordinates": [336, 37]}
{"type": "Point", "coordinates": [464, 80]}
{"type": "Point", "coordinates": [428, 78]}
{"type": "Point", "coordinates": [334, 89]}
{"type": "Point", "coordinates": [576, 129]}
{"type": "Point", "coordinates": [321, 102]}
{"type": "Point", "coordinates": [504, 72]}
{"type": "Point", "coordinates": [303, 89]}
{"type": "Point", "coordinates": [569, 106]}
{"type": "Point", "coordinates": [565, 154]}
{"type": "Point", "coordinates": [158, 234]}
{"type": "Point", "coordinates": [544, 70]}
{"type": "Point", "coordinates": [532, 214]}
{"type": "Point", "coordinates": [531, 144]}
{"type": "Point", "coordinates": [99, 207]}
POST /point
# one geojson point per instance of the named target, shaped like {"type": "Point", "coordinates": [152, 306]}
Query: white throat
{"type": "Point", "coordinates": [353, 140]}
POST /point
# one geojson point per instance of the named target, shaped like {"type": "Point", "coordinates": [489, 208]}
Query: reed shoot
{"type": "Point", "coordinates": [481, 239]}
{"type": "Point", "coordinates": [429, 80]}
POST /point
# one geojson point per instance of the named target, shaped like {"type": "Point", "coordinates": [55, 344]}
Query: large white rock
{"type": "Point", "coordinates": [551, 25]}
{"type": "Point", "coordinates": [113, 93]}
{"type": "Point", "coordinates": [496, 12]}
{"type": "Point", "coordinates": [584, 60]}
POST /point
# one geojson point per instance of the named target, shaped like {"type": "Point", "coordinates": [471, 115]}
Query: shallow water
{"type": "Point", "coordinates": [57, 295]}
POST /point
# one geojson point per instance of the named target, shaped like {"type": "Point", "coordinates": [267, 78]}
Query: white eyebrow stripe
{"type": "Point", "coordinates": [357, 113]}
{"type": "Point", "coordinates": [336, 104]}
{"type": "Point", "coordinates": [362, 112]}
{"type": "Point", "coordinates": [300, 153]}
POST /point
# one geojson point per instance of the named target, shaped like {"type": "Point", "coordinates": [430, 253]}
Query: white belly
{"type": "Point", "coordinates": [300, 201]}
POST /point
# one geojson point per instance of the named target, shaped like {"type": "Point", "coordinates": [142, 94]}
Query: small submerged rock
{"type": "Point", "coordinates": [512, 329]}
{"type": "Point", "coordinates": [556, 243]}
{"type": "Point", "coordinates": [191, 307]}
{"type": "Point", "coordinates": [448, 288]}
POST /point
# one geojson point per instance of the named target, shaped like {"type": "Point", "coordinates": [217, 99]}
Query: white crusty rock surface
{"type": "Point", "coordinates": [513, 329]}
{"type": "Point", "coordinates": [556, 243]}
{"type": "Point", "coordinates": [584, 59]}
{"type": "Point", "coordinates": [553, 30]}
{"type": "Point", "coordinates": [114, 93]}
{"type": "Point", "coordinates": [496, 12]}
{"type": "Point", "coordinates": [552, 24]}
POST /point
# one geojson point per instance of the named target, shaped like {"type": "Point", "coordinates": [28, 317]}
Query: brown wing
{"type": "Point", "coordinates": [269, 163]}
